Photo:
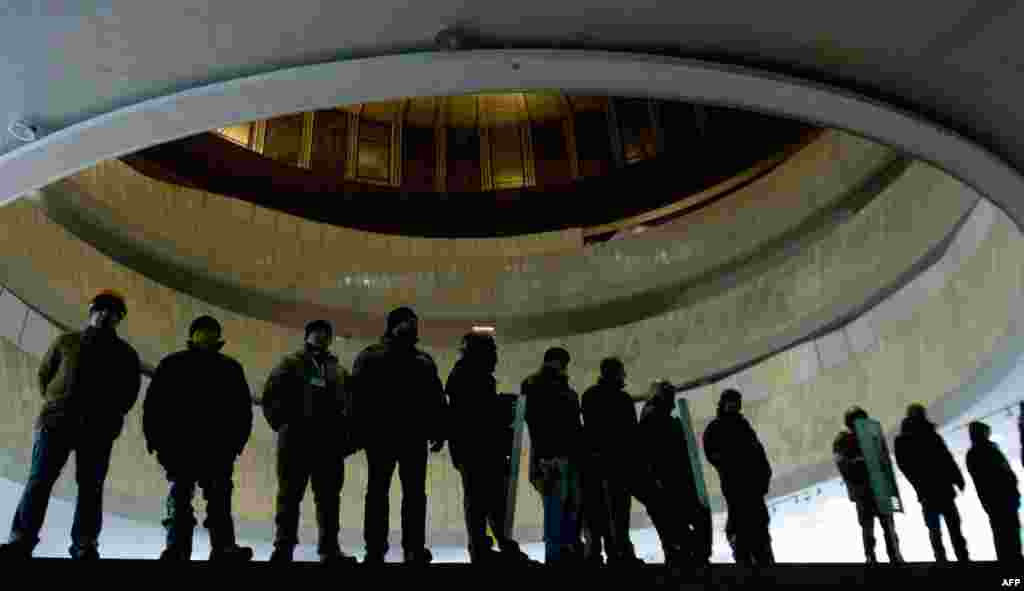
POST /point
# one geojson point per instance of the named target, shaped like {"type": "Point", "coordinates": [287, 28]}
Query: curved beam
{"type": "Point", "coordinates": [321, 86]}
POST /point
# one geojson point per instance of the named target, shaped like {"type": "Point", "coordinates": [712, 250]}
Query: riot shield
{"type": "Point", "coordinates": [879, 465]}
{"type": "Point", "coordinates": [682, 414]}
{"type": "Point", "coordinates": [518, 423]}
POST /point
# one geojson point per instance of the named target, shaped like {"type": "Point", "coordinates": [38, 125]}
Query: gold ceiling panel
{"type": "Point", "coordinates": [461, 111]}
{"type": "Point", "coordinates": [422, 112]}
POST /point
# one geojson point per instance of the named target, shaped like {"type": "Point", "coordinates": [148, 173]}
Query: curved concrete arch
{"type": "Point", "coordinates": [304, 88]}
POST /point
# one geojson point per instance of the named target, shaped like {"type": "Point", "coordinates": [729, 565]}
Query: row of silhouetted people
{"type": "Point", "coordinates": [923, 457]}
{"type": "Point", "coordinates": [589, 455]}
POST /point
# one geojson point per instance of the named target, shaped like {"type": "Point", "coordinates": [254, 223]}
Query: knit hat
{"type": "Point", "coordinates": [319, 325]}
{"type": "Point", "coordinates": [398, 316]}
{"type": "Point", "coordinates": [109, 299]}
{"type": "Point", "coordinates": [730, 395]}
{"type": "Point", "coordinates": [204, 323]}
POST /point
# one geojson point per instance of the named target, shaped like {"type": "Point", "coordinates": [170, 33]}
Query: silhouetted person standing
{"type": "Point", "coordinates": [556, 444]}
{"type": "Point", "coordinates": [997, 490]}
{"type": "Point", "coordinates": [89, 380]}
{"type": "Point", "coordinates": [850, 460]}
{"type": "Point", "coordinates": [478, 443]}
{"type": "Point", "coordinates": [400, 406]}
{"type": "Point", "coordinates": [732, 447]}
{"type": "Point", "coordinates": [197, 417]}
{"type": "Point", "coordinates": [307, 402]}
{"type": "Point", "coordinates": [924, 459]}
{"type": "Point", "coordinates": [610, 427]}
{"type": "Point", "coordinates": [667, 487]}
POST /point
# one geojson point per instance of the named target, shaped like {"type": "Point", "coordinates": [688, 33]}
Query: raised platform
{"type": "Point", "coordinates": [133, 573]}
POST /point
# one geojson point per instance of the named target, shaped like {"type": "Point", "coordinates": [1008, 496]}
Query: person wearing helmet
{"type": "Point", "coordinates": [478, 447]}
{"type": "Point", "coordinates": [206, 391]}
{"type": "Point", "coordinates": [924, 459]}
{"type": "Point", "coordinates": [89, 380]}
{"type": "Point", "coordinates": [850, 460]}
{"type": "Point", "coordinates": [400, 405]}
{"type": "Point", "coordinates": [556, 448]}
{"type": "Point", "coordinates": [307, 402]}
{"type": "Point", "coordinates": [733, 448]}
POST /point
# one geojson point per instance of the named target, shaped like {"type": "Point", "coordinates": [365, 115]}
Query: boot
{"type": "Point", "coordinates": [282, 554]}
{"type": "Point", "coordinates": [421, 557]}
{"type": "Point", "coordinates": [15, 551]}
{"type": "Point", "coordinates": [234, 553]}
{"type": "Point", "coordinates": [374, 559]}
{"type": "Point", "coordinates": [179, 542]}
{"type": "Point", "coordinates": [172, 554]}
{"type": "Point", "coordinates": [872, 558]}
{"type": "Point", "coordinates": [337, 557]}
{"type": "Point", "coordinates": [85, 552]}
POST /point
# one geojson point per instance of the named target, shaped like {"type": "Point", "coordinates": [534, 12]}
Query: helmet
{"type": "Point", "coordinates": [854, 413]}
{"type": "Point", "coordinates": [109, 298]}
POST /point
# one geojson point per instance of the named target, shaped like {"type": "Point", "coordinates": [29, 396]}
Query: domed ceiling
{"type": "Point", "coordinates": [479, 166]}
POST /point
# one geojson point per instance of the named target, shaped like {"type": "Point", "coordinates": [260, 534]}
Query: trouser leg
{"type": "Point", "coordinates": [381, 464]}
{"type": "Point", "coordinates": [866, 518]}
{"type": "Point", "coordinates": [892, 542]}
{"type": "Point", "coordinates": [474, 504]}
{"type": "Point", "coordinates": [664, 516]}
{"type": "Point", "coordinates": [218, 487]}
{"type": "Point", "coordinates": [953, 524]}
{"type": "Point", "coordinates": [50, 452]}
{"type": "Point", "coordinates": [932, 513]}
{"type": "Point", "coordinates": [412, 471]}
{"type": "Point", "coordinates": [620, 503]}
{"type": "Point", "coordinates": [92, 461]}
{"type": "Point", "coordinates": [180, 521]}
{"type": "Point", "coordinates": [1006, 534]}
{"type": "Point", "coordinates": [596, 514]}
{"type": "Point", "coordinates": [293, 471]}
{"type": "Point", "coordinates": [328, 480]}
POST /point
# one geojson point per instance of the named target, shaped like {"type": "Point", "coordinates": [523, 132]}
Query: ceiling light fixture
{"type": "Point", "coordinates": [23, 131]}
{"type": "Point", "coordinates": [487, 329]}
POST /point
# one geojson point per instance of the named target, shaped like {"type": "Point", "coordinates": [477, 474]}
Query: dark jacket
{"type": "Point", "coordinates": [89, 378]}
{"type": "Point", "coordinates": [477, 428]}
{"type": "Point", "coordinates": [849, 459]}
{"type": "Point", "coordinates": [663, 451]}
{"type": "Point", "coordinates": [197, 406]}
{"type": "Point", "coordinates": [732, 447]}
{"type": "Point", "coordinates": [552, 416]}
{"type": "Point", "coordinates": [609, 420]}
{"type": "Point", "coordinates": [993, 478]}
{"type": "Point", "coordinates": [398, 396]}
{"type": "Point", "coordinates": [294, 395]}
{"type": "Point", "coordinates": [924, 459]}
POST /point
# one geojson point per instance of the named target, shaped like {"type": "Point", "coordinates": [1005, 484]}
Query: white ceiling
{"type": "Point", "coordinates": [958, 61]}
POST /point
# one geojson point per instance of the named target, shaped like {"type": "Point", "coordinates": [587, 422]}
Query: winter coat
{"type": "Point", "coordinates": [552, 416]}
{"type": "Point", "coordinates": [732, 447]}
{"type": "Point", "coordinates": [89, 379]}
{"type": "Point", "coordinates": [924, 459]}
{"type": "Point", "coordinates": [663, 451]}
{"type": "Point", "coordinates": [609, 420]}
{"type": "Point", "coordinates": [197, 406]}
{"type": "Point", "coordinates": [850, 460]}
{"type": "Point", "coordinates": [993, 478]}
{"type": "Point", "coordinates": [398, 397]}
{"type": "Point", "coordinates": [477, 425]}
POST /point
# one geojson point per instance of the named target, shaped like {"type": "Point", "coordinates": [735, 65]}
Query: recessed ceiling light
{"type": "Point", "coordinates": [23, 131]}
